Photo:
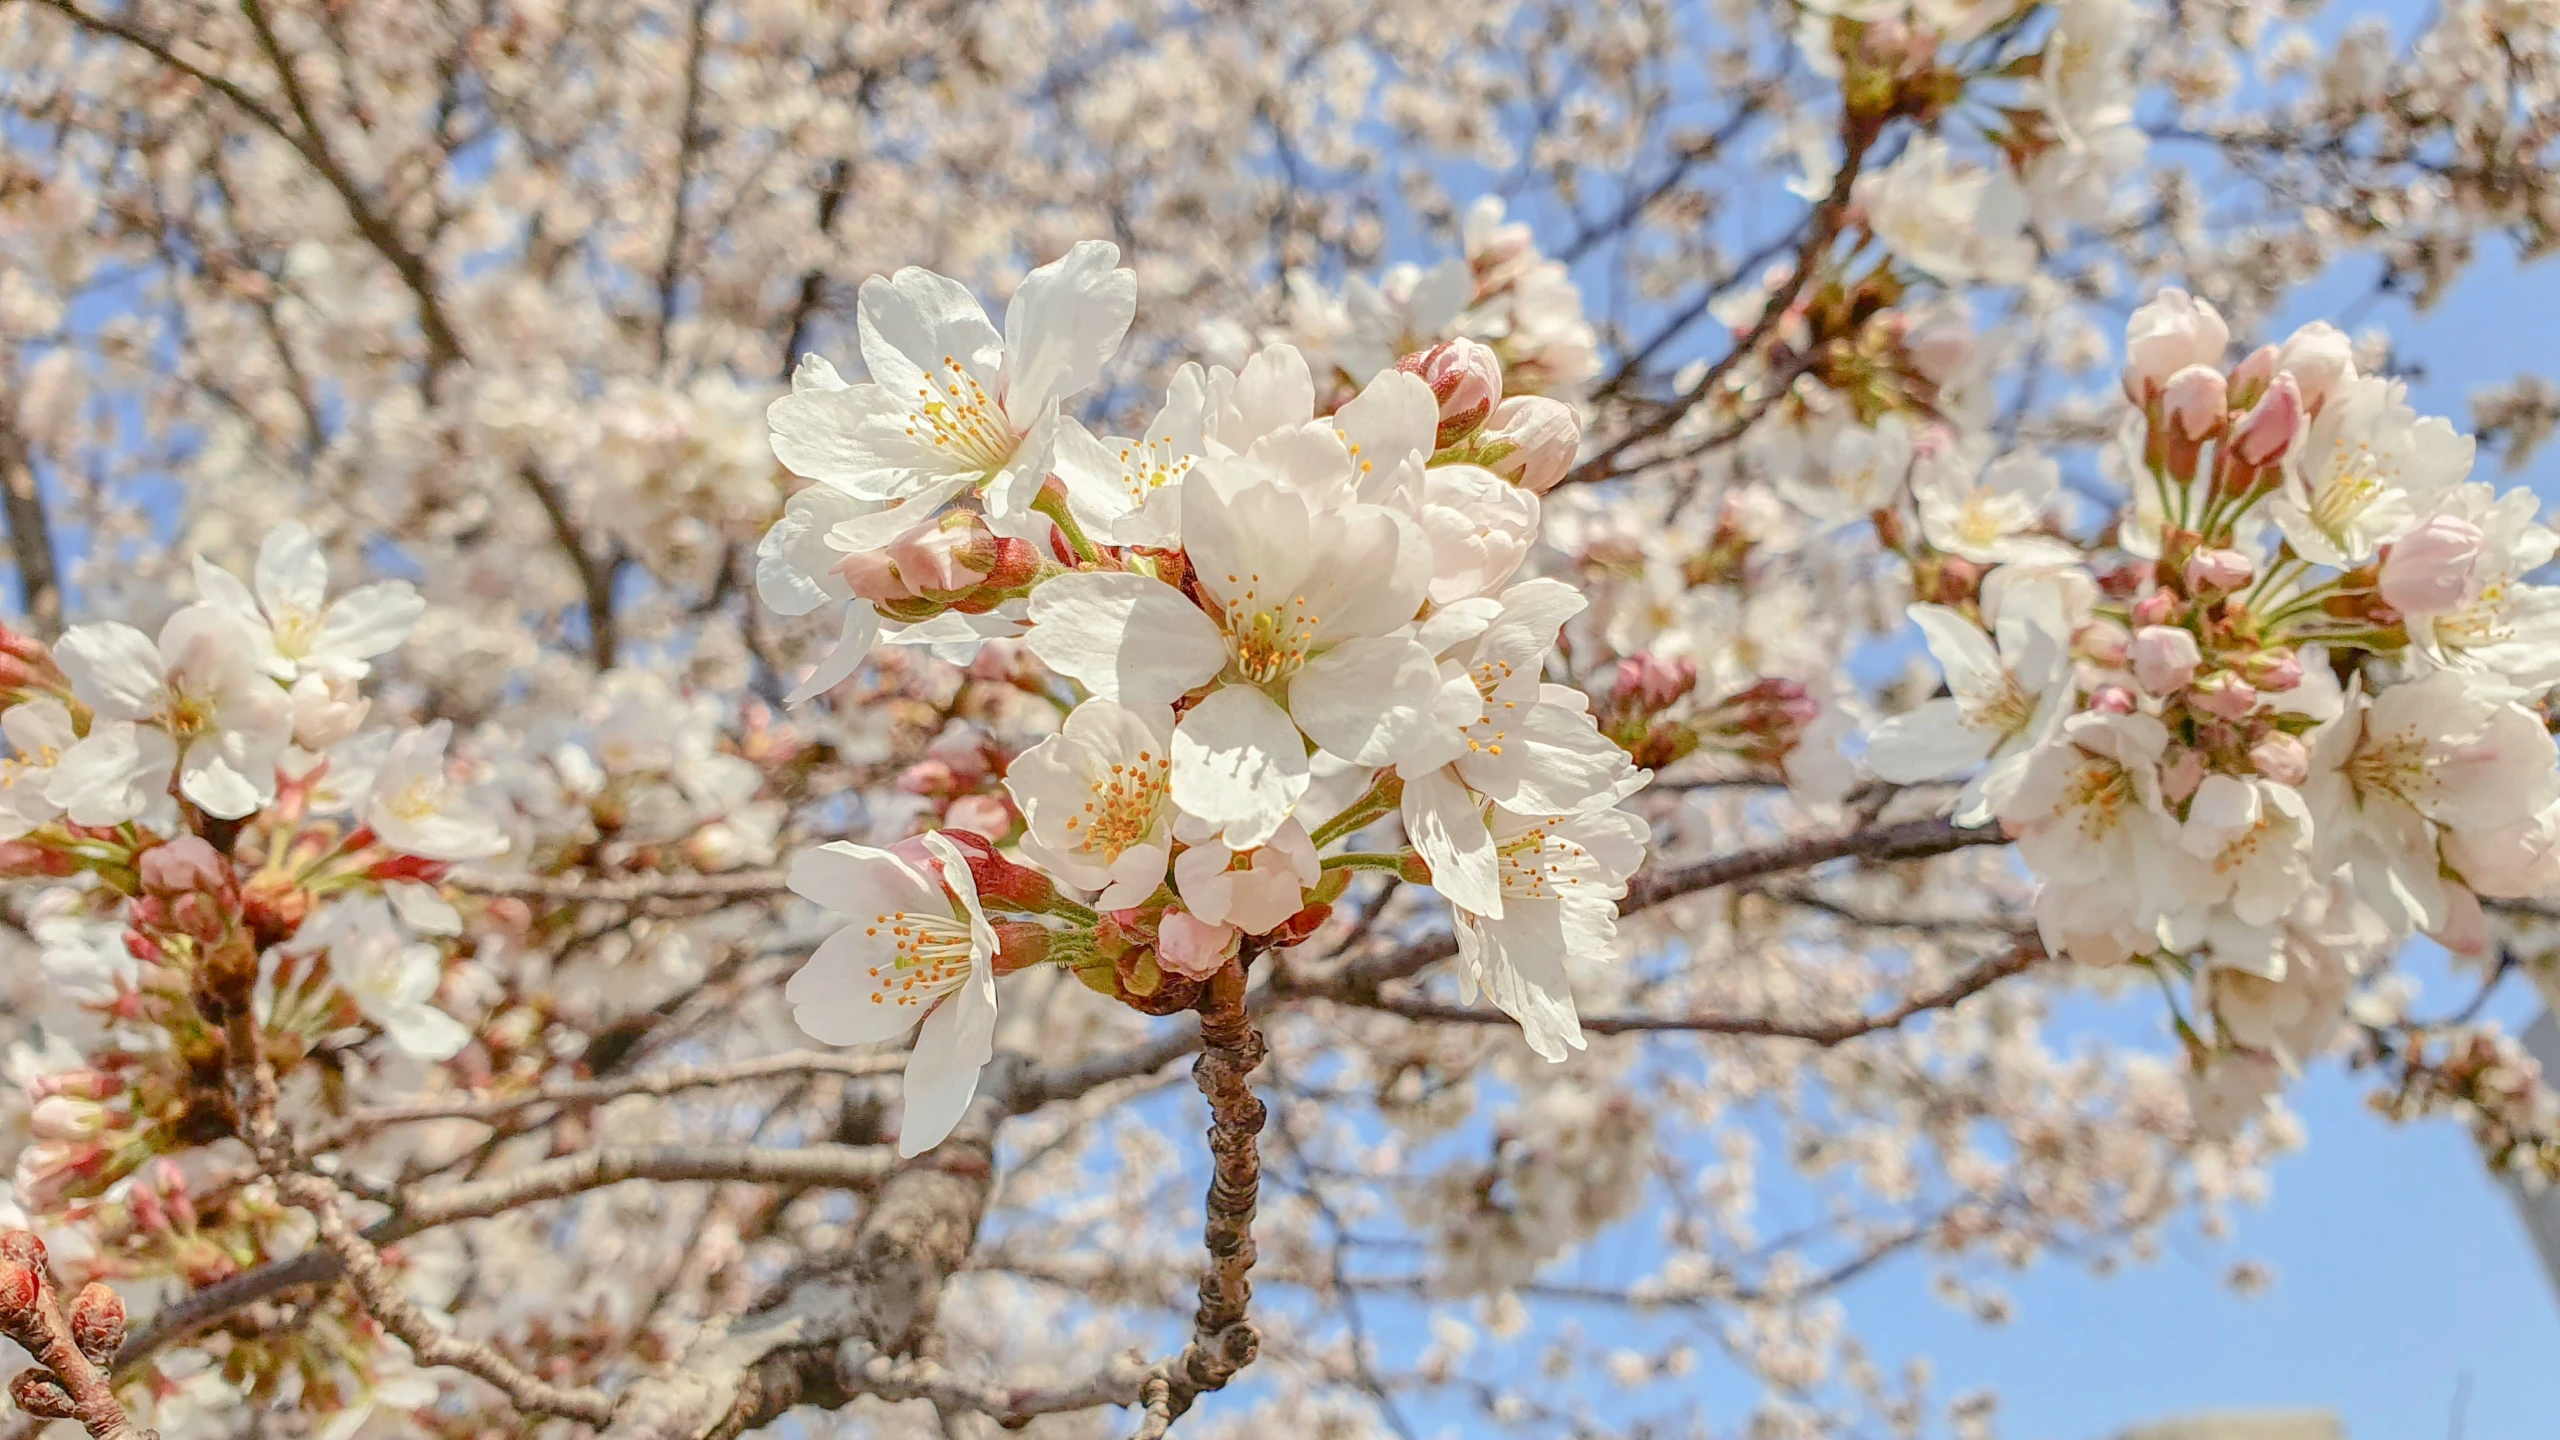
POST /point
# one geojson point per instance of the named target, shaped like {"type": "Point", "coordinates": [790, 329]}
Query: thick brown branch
{"type": "Point", "coordinates": [30, 535]}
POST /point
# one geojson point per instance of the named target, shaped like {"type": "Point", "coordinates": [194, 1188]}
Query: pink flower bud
{"type": "Point", "coordinates": [928, 777]}
{"type": "Point", "coordinates": [2172, 332]}
{"type": "Point", "coordinates": [2430, 570]}
{"type": "Point", "coordinates": [2111, 700]}
{"type": "Point", "coordinates": [1192, 947]}
{"type": "Point", "coordinates": [1651, 683]}
{"type": "Point", "coordinates": [2281, 758]}
{"type": "Point", "coordinates": [2249, 378]}
{"type": "Point", "coordinates": [97, 1321]}
{"type": "Point", "coordinates": [986, 815]}
{"type": "Point", "coordinates": [2273, 671]}
{"type": "Point", "coordinates": [2155, 608]}
{"type": "Point", "coordinates": [1465, 376]}
{"type": "Point", "coordinates": [2223, 694]}
{"type": "Point", "coordinates": [2164, 659]}
{"type": "Point", "coordinates": [1002, 884]}
{"type": "Point", "coordinates": [59, 1117]}
{"type": "Point", "coordinates": [2180, 773]}
{"type": "Point", "coordinates": [2319, 357]}
{"type": "Point", "coordinates": [182, 866]}
{"type": "Point", "coordinates": [1532, 440]}
{"type": "Point", "coordinates": [939, 558]}
{"type": "Point", "coordinates": [2193, 401]}
{"type": "Point", "coordinates": [2218, 572]}
{"type": "Point", "coordinates": [2268, 431]}
{"type": "Point", "coordinates": [2104, 642]}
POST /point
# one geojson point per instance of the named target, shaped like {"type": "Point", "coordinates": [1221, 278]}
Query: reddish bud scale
{"type": "Point", "coordinates": [97, 1321]}
{"type": "Point", "coordinates": [1299, 928]}
{"type": "Point", "coordinates": [23, 860]}
{"type": "Point", "coordinates": [36, 1392]}
{"type": "Point", "coordinates": [1002, 884]}
{"type": "Point", "coordinates": [21, 1292]}
{"type": "Point", "coordinates": [404, 867]}
{"type": "Point", "coordinates": [1020, 944]}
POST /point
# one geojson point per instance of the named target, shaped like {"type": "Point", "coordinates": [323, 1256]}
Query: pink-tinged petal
{"type": "Point", "coordinates": [862, 884]}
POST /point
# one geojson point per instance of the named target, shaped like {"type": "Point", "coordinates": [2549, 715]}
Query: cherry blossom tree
{"type": "Point", "coordinates": [939, 717]}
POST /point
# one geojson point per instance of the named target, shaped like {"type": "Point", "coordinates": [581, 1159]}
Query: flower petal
{"type": "Point", "coordinates": [1063, 325]}
{"type": "Point", "coordinates": [1447, 828]}
{"type": "Point", "coordinates": [957, 1041]}
{"type": "Point", "coordinates": [1239, 765]}
{"type": "Point", "coordinates": [1125, 637]}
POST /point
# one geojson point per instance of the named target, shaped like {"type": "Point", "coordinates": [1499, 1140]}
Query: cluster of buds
{"type": "Point", "coordinates": [2248, 419]}
{"type": "Point", "coordinates": [1529, 440]}
{"type": "Point", "coordinates": [1758, 724]}
{"type": "Point", "coordinates": [1891, 69]}
{"type": "Point", "coordinates": [72, 1348]}
{"type": "Point", "coordinates": [962, 777]}
{"type": "Point", "coordinates": [2190, 644]}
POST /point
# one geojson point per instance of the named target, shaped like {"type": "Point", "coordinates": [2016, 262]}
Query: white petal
{"type": "Point", "coordinates": [1392, 417]}
{"type": "Point", "coordinates": [831, 996]}
{"type": "Point", "coordinates": [863, 884]}
{"type": "Point", "coordinates": [1368, 701]}
{"type": "Point", "coordinates": [113, 668]}
{"type": "Point", "coordinates": [119, 773]}
{"type": "Point", "coordinates": [1972, 666]}
{"type": "Point", "coordinates": [371, 621]}
{"type": "Point", "coordinates": [853, 439]}
{"type": "Point", "coordinates": [874, 529]}
{"type": "Point", "coordinates": [1928, 742]}
{"type": "Point", "coordinates": [914, 321]}
{"type": "Point", "coordinates": [292, 574]}
{"type": "Point", "coordinates": [853, 645]}
{"type": "Point", "coordinates": [1063, 325]}
{"type": "Point", "coordinates": [425, 1032]}
{"type": "Point", "coordinates": [957, 1041]}
{"type": "Point", "coordinates": [1124, 637]}
{"type": "Point", "coordinates": [1519, 961]}
{"type": "Point", "coordinates": [1239, 765]}
{"type": "Point", "coordinates": [208, 777]}
{"type": "Point", "coordinates": [1448, 830]}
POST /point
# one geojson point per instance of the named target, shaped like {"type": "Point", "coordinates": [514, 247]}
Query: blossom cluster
{"type": "Point", "coordinates": [2294, 720]}
{"type": "Point", "coordinates": [1271, 627]}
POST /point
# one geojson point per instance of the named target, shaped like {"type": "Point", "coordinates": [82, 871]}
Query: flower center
{"type": "Point", "coordinates": [2393, 765]}
{"type": "Point", "coordinates": [1981, 523]}
{"type": "Point", "coordinates": [930, 958]}
{"type": "Point", "coordinates": [1150, 465]}
{"type": "Point", "coordinates": [1126, 801]}
{"type": "Point", "coordinates": [2100, 792]}
{"type": "Point", "coordinates": [953, 412]}
{"type": "Point", "coordinates": [417, 800]}
{"type": "Point", "coordinates": [294, 629]}
{"type": "Point", "coordinates": [2006, 713]}
{"type": "Point", "coordinates": [1269, 637]}
{"type": "Point", "coordinates": [2355, 478]}
{"type": "Point", "coordinates": [1535, 862]}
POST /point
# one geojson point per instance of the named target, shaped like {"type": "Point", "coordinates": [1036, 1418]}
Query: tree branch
{"type": "Point", "coordinates": [30, 535]}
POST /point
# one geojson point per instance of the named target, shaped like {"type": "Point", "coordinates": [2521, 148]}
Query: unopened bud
{"type": "Point", "coordinates": [36, 1392]}
{"type": "Point", "coordinates": [2264, 435]}
{"type": "Point", "coordinates": [2154, 609]}
{"type": "Point", "coordinates": [21, 1290]}
{"type": "Point", "coordinates": [1192, 947]}
{"type": "Point", "coordinates": [326, 710]}
{"type": "Point", "coordinates": [2181, 773]}
{"type": "Point", "coordinates": [986, 815]}
{"type": "Point", "coordinates": [97, 1321]}
{"type": "Point", "coordinates": [2224, 694]}
{"type": "Point", "coordinates": [23, 1247]}
{"type": "Point", "coordinates": [1465, 377]}
{"type": "Point", "coordinates": [2218, 572]}
{"type": "Point", "coordinates": [186, 865]}
{"type": "Point", "coordinates": [2282, 758]}
{"type": "Point", "coordinates": [2319, 357]}
{"type": "Point", "coordinates": [2194, 402]}
{"type": "Point", "coordinates": [2164, 658]}
{"type": "Point", "coordinates": [1532, 440]}
{"type": "Point", "coordinates": [2249, 378]}
{"type": "Point", "coordinates": [1020, 944]}
{"type": "Point", "coordinates": [2174, 331]}
{"type": "Point", "coordinates": [2273, 671]}
{"type": "Point", "coordinates": [1652, 683]}
{"type": "Point", "coordinates": [61, 1117]}
{"type": "Point", "coordinates": [939, 558]}
{"type": "Point", "coordinates": [2104, 641]}
{"type": "Point", "coordinates": [1001, 883]}
{"type": "Point", "coordinates": [2112, 700]}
